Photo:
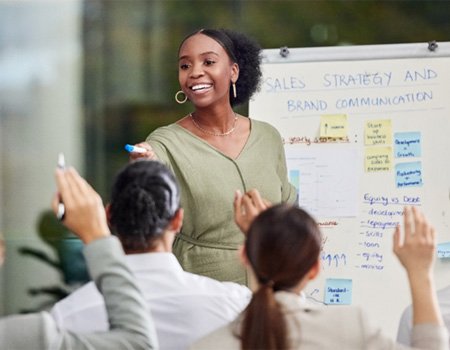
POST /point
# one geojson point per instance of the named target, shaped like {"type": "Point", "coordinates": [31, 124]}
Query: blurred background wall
{"type": "Point", "coordinates": [86, 77]}
{"type": "Point", "coordinates": [40, 115]}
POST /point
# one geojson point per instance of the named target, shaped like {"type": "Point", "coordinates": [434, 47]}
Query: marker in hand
{"type": "Point", "coordinates": [131, 148]}
{"type": "Point", "coordinates": [61, 208]}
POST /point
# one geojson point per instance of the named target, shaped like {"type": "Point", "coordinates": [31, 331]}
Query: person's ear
{"type": "Point", "coordinates": [234, 72]}
{"type": "Point", "coordinates": [243, 256]}
{"type": "Point", "coordinates": [252, 281]}
{"type": "Point", "coordinates": [177, 220]}
{"type": "Point", "coordinates": [108, 213]}
{"type": "Point", "coordinates": [314, 270]}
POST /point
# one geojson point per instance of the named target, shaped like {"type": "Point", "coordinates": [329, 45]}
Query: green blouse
{"type": "Point", "coordinates": [209, 238]}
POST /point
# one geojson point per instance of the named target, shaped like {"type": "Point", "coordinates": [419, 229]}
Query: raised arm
{"type": "Point", "coordinates": [416, 251]}
{"type": "Point", "coordinates": [130, 323]}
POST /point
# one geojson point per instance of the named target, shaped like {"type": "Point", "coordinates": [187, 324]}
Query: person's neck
{"type": "Point", "coordinates": [214, 117]}
{"type": "Point", "coordinates": [157, 249]}
{"type": "Point", "coordinates": [160, 245]}
{"type": "Point", "coordinates": [297, 289]}
{"type": "Point", "coordinates": [160, 248]}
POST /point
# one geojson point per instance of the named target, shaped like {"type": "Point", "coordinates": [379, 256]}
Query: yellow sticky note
{"type": "Point", "coordinates": [378, 159]}
{"type": "Point", "coordinates": [333, 125]}
{"type": "Point", "coordinates": [378, 132]}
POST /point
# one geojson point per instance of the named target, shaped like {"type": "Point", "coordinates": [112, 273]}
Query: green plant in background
{"type": "Point", "coordinates": [69, 259]}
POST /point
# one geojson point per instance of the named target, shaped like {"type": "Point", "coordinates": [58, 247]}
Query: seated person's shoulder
{"type": "Point", "coordinates": [230, 289]}
{"type": "Point", "coordinates": [222, 338]}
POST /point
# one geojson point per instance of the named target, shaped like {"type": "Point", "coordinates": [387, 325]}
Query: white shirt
{"type": "Point", "coordinates": [184, 306]}
{"type": "Point", "coordinates": [405, 325]}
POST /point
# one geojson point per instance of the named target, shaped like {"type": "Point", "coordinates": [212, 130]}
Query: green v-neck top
{"type": "Point", "coordinates": [208, 180]}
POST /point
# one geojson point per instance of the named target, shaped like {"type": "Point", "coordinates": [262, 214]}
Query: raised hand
{"type": "Point", "coordinates": [416, 251]}
{"type": "Point", "coordinates": [246, 207]}
{"type": "Point", "coordinates": [84, 211]}
{"type": "Point", "coordinates": [416, 247]}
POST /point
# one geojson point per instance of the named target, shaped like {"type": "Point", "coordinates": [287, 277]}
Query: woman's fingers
{"type": "Point", "coordinates": [407, 219]}
{"type": "Point", "coordinates": [147, 154]}
{"type": "Point", "coordinates": [237, 203]}
{"type": "Point", "coordinates": [396, 239]}
{"type": "Point", "coordinates": [64, 189]}
{"type": "Point", "coordinates": [416, 250]}
{"type": "Point", "coordinates": [247, 206]}
{"type": "Point", "coordinates": [258, 201]}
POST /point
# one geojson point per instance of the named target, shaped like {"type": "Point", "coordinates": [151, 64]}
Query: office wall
{"type": "Point", "coordinates": [40, 115]}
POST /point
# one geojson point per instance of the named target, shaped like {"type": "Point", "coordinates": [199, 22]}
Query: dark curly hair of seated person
{"type": "Point", "coordinates": [145, 197]}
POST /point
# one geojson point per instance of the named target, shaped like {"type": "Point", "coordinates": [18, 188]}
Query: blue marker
{"type": "Point", "coordinates": [131, 148]}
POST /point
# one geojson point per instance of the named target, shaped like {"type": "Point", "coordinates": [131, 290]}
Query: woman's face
{"type": "Point", "coordinates": [205, 71]}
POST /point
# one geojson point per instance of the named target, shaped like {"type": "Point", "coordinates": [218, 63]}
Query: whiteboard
{"type": "Point", "coordinates": [366, 130]}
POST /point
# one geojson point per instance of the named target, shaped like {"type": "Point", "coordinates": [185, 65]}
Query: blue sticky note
{"type": "Point", "coordinates": [443, 250]}
{"type": "Point", "coordinates": [338, 291]}
{"type": "Point", "coordinates": [408, 174]}
{"type": "Point", "coordinates": [294, 178]}
{"type": "Point", "coordinates": [407, 144]}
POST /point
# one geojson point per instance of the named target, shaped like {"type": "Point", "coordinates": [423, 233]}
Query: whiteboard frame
{"type": "Point", "coordinates": [383, 309]}
{"type": "Point", "coordinates": [356, 52]}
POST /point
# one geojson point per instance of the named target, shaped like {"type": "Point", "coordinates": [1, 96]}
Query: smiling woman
{"type": "Point", "coordinates": [214, 152]}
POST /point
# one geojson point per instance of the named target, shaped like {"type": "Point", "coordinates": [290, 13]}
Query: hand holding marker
{"type": "Point", "coordinates": [61, 208]}
{"type": "Point", "coordinates": [141, 151]}
{"type": "Point", "coordinates": [131, 148]}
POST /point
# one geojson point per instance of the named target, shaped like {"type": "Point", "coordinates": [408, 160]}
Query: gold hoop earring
{"type": "Point", "coordinates": [178, 94]}
{"type": "Point", "coordinates": [234, 90]}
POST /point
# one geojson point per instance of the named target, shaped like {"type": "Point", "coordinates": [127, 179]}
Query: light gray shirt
{"type": "Point", "coordinates": [130, 324]}
{"type": "Point", "coordinates": [312, 327]}
{"type": "Point", "coordinates": [405, 326]}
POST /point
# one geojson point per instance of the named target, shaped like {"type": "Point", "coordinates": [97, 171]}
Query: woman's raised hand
{"type": "Point", "coordinates": [416, 247]}
{"type": "Point", "coordinates": [247, 206]}
{"type": "Point", "coordinates": [84, 211]}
